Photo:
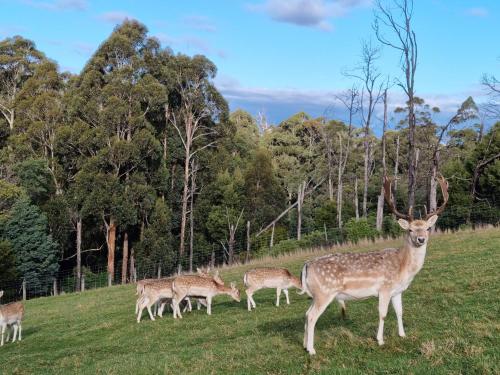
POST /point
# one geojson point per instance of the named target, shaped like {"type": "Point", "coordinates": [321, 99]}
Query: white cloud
{"type": "Point", "coordinates": [287, 101]}
{"type": "Point", "coordinates": [308, 13]}
{"type": "Point", "coordinates": [116, 16]}
{"type": "Point", "coordinates": [201, 23]}
{"type": "Point", "coordinates": [477, 12]}
{"type": "Point", "coordinates": [58, 5]}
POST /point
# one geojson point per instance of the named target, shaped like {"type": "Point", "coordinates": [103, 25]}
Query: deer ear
{"type": "Point", "coordinates": [432, 220]}
{"type": "Point", "coordinates": [404, 224]}
{"type": "Point", "coordinates": [233, 285]}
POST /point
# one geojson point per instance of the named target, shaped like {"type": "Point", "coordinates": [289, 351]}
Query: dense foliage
{"type": "Point", "coordinates": [137, 161]}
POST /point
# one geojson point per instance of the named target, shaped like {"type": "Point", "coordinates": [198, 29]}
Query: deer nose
{"type": "Point", "coordinates": [421, 240]}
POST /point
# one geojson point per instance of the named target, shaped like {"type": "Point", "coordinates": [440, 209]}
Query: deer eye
{"type": "Point", "coordinates": [409, 230]}
{"type": "Point", "coordinates": [429, 229]}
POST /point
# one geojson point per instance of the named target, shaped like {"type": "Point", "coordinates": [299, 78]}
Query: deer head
{"type": "Point", "coordinates": [234, 292]}
{"type": "Point", "coordinates": [417, 230]}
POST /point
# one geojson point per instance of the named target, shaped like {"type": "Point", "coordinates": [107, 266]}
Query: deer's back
{"type": "Point", "coordinates": [12, 312]}
{"type": "Point", "coordinates": [268, 277]}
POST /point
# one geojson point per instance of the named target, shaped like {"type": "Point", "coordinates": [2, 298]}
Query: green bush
{"type": "Point", "coordinates": [390, 227]}
{"type": "Point", "coordinates": [357, 230]}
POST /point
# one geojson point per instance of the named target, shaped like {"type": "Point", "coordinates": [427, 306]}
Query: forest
{"type": "Point", "coordinates": [136, 165]}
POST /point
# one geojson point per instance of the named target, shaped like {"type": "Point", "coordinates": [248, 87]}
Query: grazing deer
{"type": "Point", "coordinates": [386, 273]}
{"type": "Point", "coordinates": [199, 301]}
{"type": "Point", "coordinates": [11, 315]}
{"type": "Point", "coordinates": [152, 292]}
{"type": "Point", "coordinates": [199, 286]}
{"type": "Point", "coordinates": [259, 278]}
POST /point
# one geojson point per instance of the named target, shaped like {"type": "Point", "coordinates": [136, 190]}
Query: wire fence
{"type": "Point", "coordinates": [268, 244]}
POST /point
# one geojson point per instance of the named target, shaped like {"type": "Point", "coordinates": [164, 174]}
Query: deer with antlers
{"type": "Point", "coordinates": [385, 274]}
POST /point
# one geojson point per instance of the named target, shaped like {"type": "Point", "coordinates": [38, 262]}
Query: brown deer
{"type": "Point", "coordinates": [200, 287]}
{"type": "Point", "coordinates": [386, 273]}
{"type": "Point", "coordinates": [11, 315]}
{"type": "Point", "coordinates": [259, 278]}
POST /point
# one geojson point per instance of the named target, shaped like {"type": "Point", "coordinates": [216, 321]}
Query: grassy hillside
{"type": "Point", "coordinates": [451, 315]}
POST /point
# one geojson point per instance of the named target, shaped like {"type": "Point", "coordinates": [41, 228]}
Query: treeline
{"type": "Point", "coordinates": [136, 162]}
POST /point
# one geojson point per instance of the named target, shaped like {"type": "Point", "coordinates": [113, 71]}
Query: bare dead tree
{"type": "Point", "coordinates": [371, 94]}
{"type": "Point", "coordinates": [188, 121]}
{"type": "Point", "coordinates": [492, 87]}
{"type": "Point", "coordinates": [232, 228]}
{"type": "Point", "coordinates": [398, 20]}
{"type": "Point", "coordinates": [192, 192]}
{"type": "Point", "coordinates": [380, 203]}
{"type": "Point", "coordinates": [300, 201]}
{"type": "Point", "coordinates": [350, 99]}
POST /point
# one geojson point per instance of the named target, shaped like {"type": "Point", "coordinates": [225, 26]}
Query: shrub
{"type": "Point", "coordinates": [357, 230]}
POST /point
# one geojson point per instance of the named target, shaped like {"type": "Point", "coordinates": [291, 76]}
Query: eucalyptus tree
{"type": "Point", "coordinates": [114, 93]}
{"type": "Point", "coordinates": [18, 60]}
{"type": "Point", "coordinates": [195, 110]}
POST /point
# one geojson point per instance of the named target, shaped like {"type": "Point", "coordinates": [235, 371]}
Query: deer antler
{"type": "Point", "coordinates": [389, 198]}
{"type": "Point", "coordinates": [444, 189]}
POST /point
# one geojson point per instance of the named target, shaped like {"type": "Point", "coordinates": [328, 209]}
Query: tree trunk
{"type": "Point", "coordinates": [412, 168]}
{"type": "Point", "coordinates": [248, 242]}
{"type": "Point", "coordinates": [433, 183]}
{"type": "Point", "coordinates": [191, 216]}
{"type": "Point", "coordinates": [230, 245]}
{"type": "Point", "coordinates": [365, 178]}
{"type": "Point", "coordinates": [380, 202]}
{"type": "Point", "coordinates": [271, 243]}
{"type": "Point", "coordinates": [125, 258]}
{"type": "Point", "coordinates": [300, 201]}
{"type": "Point", "coordinates": [111, 237]}
{"type": "Point", "coordinates": [356, 201]}
{"type": "Point", "coordinates": [339, 200]}
{"type": "Point", "coordinates": [78, 253]}
{"type": "Point", "coordinates": [184, 207]}
{"type": "Point", "coordinates": [396, 166]}
{"type": "Point", "coordinates": [132, 266]}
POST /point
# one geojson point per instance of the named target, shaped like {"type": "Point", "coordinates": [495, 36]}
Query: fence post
{"type": "Point", "coordinates": [82, 283]}
{"type": "Point", "coordinates": [24, 289]}
{"type": "Point", "coordinates": [110, 279]}
{"type": "Point", "coordinates": [159, 271]}
{"type": "Point", "coordinates": [271, 243]}
{"type": "Point", "coordinates": [54, 283]}
{"type": "Point", "coordinates": [326, 235]}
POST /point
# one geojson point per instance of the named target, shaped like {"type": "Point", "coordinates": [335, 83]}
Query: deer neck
{"type": "Point", "coordinates": [413, 257]}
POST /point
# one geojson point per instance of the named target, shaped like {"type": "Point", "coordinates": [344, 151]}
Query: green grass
{"type": "Point", "coordinates": [451, 315]}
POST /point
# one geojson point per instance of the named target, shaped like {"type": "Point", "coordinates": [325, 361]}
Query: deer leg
{"type": "Point", "coordinates": [343, 308]}
{"type": "Point", "coordinates": [286, 295]}
{"type": "Point", "coordinates": [190, 307]}
{"type": "Point", "coordinates": [209, 305]}
{"type": "Point", "coordinates": [250, 302]}
{"type": "Point", "coordinates": [397, 303]}
{"type": "Point", "coordinates": [3, 332]}
{"type": "Point", "coordinates": [141, 308]}
{"type": "Point", "coordinates": [305, 326]}
{"type": "Point", "coordinates": [176, 302]}
{"type": "Point", "coordinates": [149, 304]}
{"type": "Point", "coordinates": [383, 306]}
{"type": "Point", "coordinates": [318, 307]}
{"type": "Point", "coordinates": [278, 294]}
{"type": "Point", "coordinates": [15, 332]}
{"type": "Point", "coordinates": [19, 332]}
{"type": "Point", "coordinates": [137, 305]}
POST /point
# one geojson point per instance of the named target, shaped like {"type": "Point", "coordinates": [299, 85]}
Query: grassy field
{"type": "Point", "coordinates": [451, 315]}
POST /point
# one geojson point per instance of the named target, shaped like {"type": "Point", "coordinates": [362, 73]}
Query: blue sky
{"type": "Point", "coordinates": [278, 56]}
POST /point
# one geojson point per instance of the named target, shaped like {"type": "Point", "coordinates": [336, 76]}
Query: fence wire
{"type": "Point", "coordinates": [98, 277]}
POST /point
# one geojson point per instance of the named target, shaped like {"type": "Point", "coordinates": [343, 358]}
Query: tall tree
{"type": "Point", "coordinates": [18, 60]}
{"type": "Point", "coordinates": [398, 20]}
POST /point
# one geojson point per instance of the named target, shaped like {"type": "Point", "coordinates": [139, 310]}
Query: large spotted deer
{"type": "Point", "coordinates": [385, 274]}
